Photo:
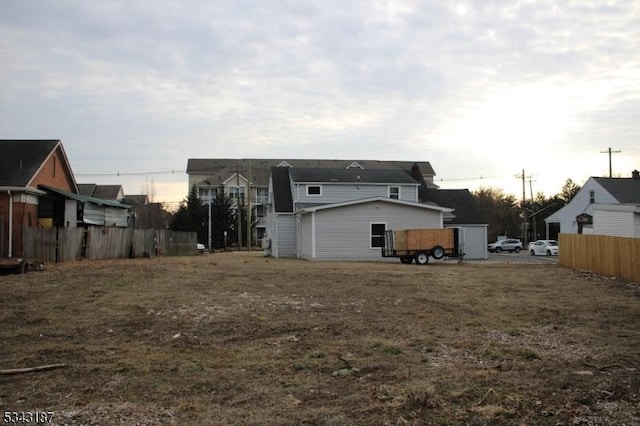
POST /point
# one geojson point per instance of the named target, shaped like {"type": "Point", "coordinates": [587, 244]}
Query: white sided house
{"type": "Point", "coordinates": [605, 206]}
{"type": "Point", "coordinates": [342, 213]}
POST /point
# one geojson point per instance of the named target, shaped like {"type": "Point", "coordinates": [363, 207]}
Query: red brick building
{"type": "Point", "coordinates": [24, 165]}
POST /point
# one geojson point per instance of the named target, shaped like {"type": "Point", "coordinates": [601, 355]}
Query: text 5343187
{"type": "Point", "coordinates": [27, 417]}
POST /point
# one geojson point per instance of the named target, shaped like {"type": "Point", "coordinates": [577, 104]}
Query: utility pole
{"type": "Point", "coordinates": [535, 230]}
{"type": "Point", "coordinates": [609, 151]}
{"type": "Point", "coordinates": [249, 205]}
{"type": "Point", "coordinates": [524, 208]}
{"type": "Point", "coordinates": [238, 205]}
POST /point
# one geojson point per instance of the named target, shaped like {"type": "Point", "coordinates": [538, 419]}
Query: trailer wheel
{"type": "Point", "coordinates": [422, 258]}
{"type": "Point", "coordinates": [23, 267]}
{"type": "Point", "coordinates": [437, 252]}
{"type": "Point", "coordinates": [406, 259]}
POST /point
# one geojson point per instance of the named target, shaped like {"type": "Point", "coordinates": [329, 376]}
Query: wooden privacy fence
{"type": "Point", "coordinates": [601, 254]}
{"type": "Point", "coordinates": [64, 244]}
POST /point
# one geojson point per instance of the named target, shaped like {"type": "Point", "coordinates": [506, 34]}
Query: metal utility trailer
{"type": "Point", "coordinates": [420, 244]}
{"type": "Point", "coordinates": [14, 264]}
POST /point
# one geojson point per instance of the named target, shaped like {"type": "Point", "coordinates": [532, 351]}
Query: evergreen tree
{"type": "Point", "coordinates": [568, 191]}
{"type": "Point", "coordinates": [223, 219]}
{"type": "Point", "coordinates": [191, 216]}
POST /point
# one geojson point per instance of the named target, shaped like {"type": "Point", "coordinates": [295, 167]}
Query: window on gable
{"type": "Point", "coordinates": [377, 234]}
{"type": "Point", "coordinates": [592, 197]}
{"type": "Point", "coordinates": [314, 190]}
{"type": "Point", "coordinates": [237, 192]}
{"type": "Point", "coordinates": [394, 192]}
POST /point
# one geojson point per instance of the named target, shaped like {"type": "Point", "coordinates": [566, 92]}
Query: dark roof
{"type": "Point", "coordinates": [86, 188]}
{"type": "Point", "coordinates": [220, 169]}
{"type": "Point", "coordinates": [136, 200]}
{"type": "Point", "coordinates": [625, 190]}
{"type": "Point", "coordinates": [351, 175]}
{"type": "Point", "coordinates": [105, 192]}
{"type": "Point", "coordinates": [20, 160]}
{"type": "Point", "coordinates": [282, 199]}
{"type": "Point", "coordinates": [466, 210]}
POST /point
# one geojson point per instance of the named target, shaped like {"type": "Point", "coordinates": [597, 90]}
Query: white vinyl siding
{"type": "Point", "coordinates": [616, 223]}
{"type": "Point", "coordinates": [344, 232]}
{"type": "Point", "coordinates": [340, 193]}
{"type": "Point", "coordinates": [286, 236]}
{"type": "Point", "coordinates": [305, 233]}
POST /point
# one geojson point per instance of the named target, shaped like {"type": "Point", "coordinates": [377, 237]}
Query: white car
{"type": "Point", "coordinates": [508, 244]}
{"type": "Point", "coordinates": [544, 247]}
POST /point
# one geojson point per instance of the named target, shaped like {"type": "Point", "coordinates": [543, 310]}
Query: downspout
{"type": "Point", "coordinates": [10, 251]}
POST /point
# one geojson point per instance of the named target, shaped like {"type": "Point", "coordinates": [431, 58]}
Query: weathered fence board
{"type": "Point", "coordinates": [40, 244]}
{"type": "Point", "coordinates": [144, 242]}
{"type": "Point", "coordinates": [601, 254]}
{"type": "Point", "coordinates": [108, 243]}
{"type": "Point", "coordinates": [70, 244]}
{"type": "Point", "coordinates": [95, 242]}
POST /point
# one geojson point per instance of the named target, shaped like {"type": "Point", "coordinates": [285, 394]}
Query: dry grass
{"type": "Point", "coordinates": [241, 339]}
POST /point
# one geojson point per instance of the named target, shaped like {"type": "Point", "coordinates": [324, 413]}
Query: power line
{"type": "Point", "coordinates": [118, 173]}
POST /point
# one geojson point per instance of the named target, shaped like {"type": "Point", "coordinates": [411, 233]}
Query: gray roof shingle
{"type": "Point", "coordinates": [351, 175]}
{"type": "Point", "coordinates": [222, 169]}
{"type": "Point", "coordinates": [21, 159]}
{"type": "Point", "coordinates": [625, 190]}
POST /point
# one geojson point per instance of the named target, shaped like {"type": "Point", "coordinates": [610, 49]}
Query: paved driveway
{"type": "Point", "coordinates": [522, 257]}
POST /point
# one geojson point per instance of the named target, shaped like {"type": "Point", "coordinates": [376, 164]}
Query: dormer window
{"type": "Point", "coordinates": [314, 190]}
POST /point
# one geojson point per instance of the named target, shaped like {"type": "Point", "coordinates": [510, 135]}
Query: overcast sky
{"type": "Point", "coordinates": [480, 89]}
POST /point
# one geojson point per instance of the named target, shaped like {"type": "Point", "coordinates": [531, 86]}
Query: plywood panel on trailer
{"type": "Point", "coordinates": [424, 239]}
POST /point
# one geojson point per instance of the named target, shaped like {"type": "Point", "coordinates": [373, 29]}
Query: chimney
{"type": "Point", "coordinates": [635, 174]}
{"type": "Point", "coordinates": [415, 172]}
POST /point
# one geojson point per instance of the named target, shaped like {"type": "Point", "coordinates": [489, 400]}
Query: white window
{"type": "Point", "coordinates": [394, 192]}
{"type": "Point", "coordinates": [237, 191]}
{"type": "Point", "coordinates": [314, 190]}
{"type": "Point", "coordinates": [377, 234]}
{"type": "Point", "coordinates": [205, 193]}
{"type": "Point", "coordinates": [262, 195]}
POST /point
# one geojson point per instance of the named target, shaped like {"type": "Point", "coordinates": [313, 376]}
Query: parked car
{"type": "Point", "coordinates": [509, 244]}
{"type": "Point", "coordinates": [544, 247]}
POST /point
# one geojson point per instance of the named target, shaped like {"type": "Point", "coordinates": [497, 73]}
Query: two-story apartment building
{"type": "Point", "coordinates": [342, 213]}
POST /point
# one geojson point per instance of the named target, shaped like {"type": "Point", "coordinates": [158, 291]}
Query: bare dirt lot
{"type": "Point", "coordinates": [238, 338]}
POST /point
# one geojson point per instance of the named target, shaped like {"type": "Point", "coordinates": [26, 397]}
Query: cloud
{"type": "Point", "coordinates": [141, 85]}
